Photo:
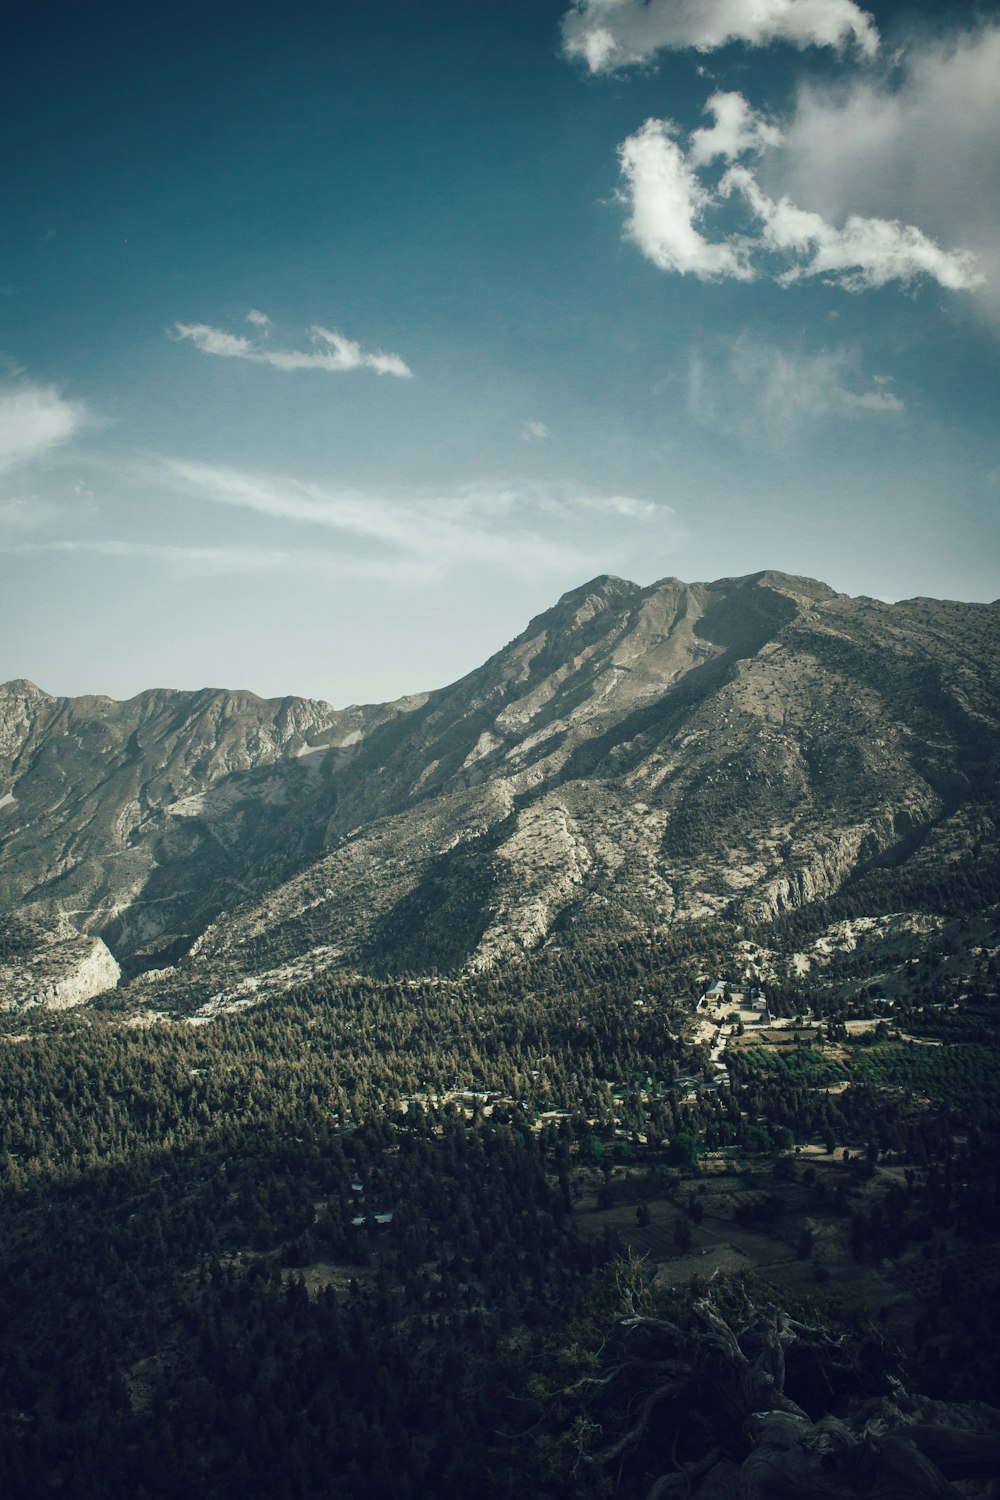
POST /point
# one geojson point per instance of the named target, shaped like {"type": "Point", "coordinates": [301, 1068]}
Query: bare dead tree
{"type": "Point", "coordinates": [718, 1375]}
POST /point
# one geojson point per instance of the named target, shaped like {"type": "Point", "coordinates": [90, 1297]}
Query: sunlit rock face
{"type": "Point", "coordinates": [54, 970]}
{"type": "Point", "coordinates": [637, 756]}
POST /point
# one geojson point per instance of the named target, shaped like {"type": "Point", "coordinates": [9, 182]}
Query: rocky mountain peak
{"type": "Point", "coordinates": [635, 756]}
{"type": "Point", "coordinates": [21, 689]}
{"type": "Point", "coordinates": [578, 606]}
{"type": "Point", "coordinates": [803, 590]}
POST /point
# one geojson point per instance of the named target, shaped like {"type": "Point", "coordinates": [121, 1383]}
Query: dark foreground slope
{"type": "Point", "coordinates": [452, 1237]}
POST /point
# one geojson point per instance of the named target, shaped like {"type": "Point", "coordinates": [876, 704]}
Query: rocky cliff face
{"type": "Point", "coordinates": [637, 756]}
{"type": "Point", "coordinates": [55, 970]}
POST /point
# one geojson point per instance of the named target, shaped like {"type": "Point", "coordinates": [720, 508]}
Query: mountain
{"type": "Point", "coordinates": [140, 821]}
{"type": "Point", "coordinates": [637, 757]}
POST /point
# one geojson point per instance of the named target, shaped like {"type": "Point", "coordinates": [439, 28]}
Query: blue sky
{"type": "Point", "coordinates": [336, 341]}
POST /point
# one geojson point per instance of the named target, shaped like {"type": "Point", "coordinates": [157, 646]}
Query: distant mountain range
{"type": "Point", "coordinates": [635, 758]}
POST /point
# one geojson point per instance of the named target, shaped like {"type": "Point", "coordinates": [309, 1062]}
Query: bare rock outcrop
{"type": "Point", "coordinates": [57, 971]}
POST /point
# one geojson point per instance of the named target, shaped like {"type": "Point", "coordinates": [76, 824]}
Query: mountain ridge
{"type": "Point", "coordinates": [635, 756]}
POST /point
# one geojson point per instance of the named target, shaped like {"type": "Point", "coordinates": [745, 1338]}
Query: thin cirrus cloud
{"type": "Point", "coordinates": [409, 540]}
{"type": "Point", "coordinates": [671, 202]}
{"type": "Point", "coordinates": [754, 385]}
{"type": "Point", "coordinates": [485, 525]}
{"type": "Point", "coordinates": [220, 561]}
{"type": "Point", "coordinates": [608, 35]}
{"type": "Point", "coordinates": [331, 351]}
{"type": "Point", "coordinates": [33, 419]}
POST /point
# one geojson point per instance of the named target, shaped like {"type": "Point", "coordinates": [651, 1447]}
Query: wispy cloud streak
{"type": "Point", "coordinates": [500, 527]}
{"type": "Point", "coordinates": [754, 387]}
{"type": "Point", "coordinates": [332, 351]}
{"type": "Point", "coordinates": [219, 561]}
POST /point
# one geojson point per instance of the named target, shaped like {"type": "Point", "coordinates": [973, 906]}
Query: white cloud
{"type": "Point", "coordinates": [919, 147]}
{"type": "Point", "coordinates": [737, 130]}
{"type": "Point", "coordinates": [871, 180]}
{"type": "Point", "coordinates": [754, 386]}
{"type": "Point", "coordinates": [535, 431]}
{"type": "Point", "coordinates": [498, 526]}
{"type": "Point", "coordinates": [667, 202]}
{"type": "Point", "coordinates": [333, 351]}
{"type": "Point", "coordinates": [612, 34]}
{"type": "Point", "coordinates": [259, 319]}
{"type": "Point", "coordinates": [33, 419]}
{"type": "Point", "coordinates": [344, 354]}
{"type": "Point", "coordinates": [671, 194]}
{"type": "Point", "coordinates": [864, 252]}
